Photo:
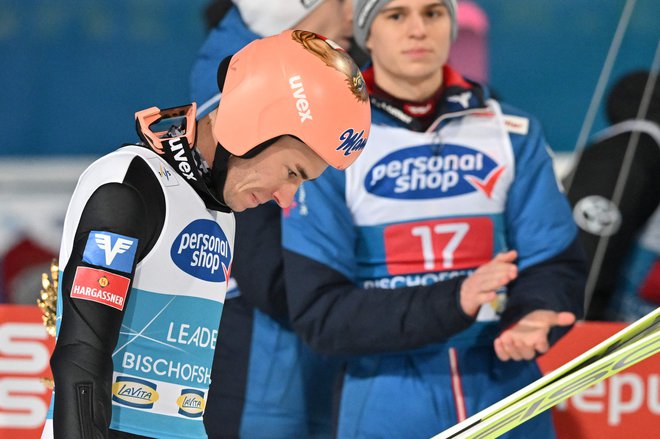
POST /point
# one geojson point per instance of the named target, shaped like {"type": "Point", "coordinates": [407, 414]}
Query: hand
{"type": "Point", "coordinates": [481, 286]}
{"type": "Point", "coordinates": [529, 336]}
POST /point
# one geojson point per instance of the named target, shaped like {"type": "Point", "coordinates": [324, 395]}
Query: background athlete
{"type": "Point", "coordinates": [376, 257]}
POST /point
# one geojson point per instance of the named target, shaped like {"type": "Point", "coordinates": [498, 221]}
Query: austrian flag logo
{"type": "Point", "coordinates": [100, 286]}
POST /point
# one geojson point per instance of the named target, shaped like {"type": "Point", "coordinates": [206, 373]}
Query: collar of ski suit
{"type": "Point", "coordinates": [456, 96]}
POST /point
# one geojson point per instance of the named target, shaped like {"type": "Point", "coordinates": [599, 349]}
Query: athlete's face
{"type": "Point", "coordinates": [409, 40]}
{"type": "Point", "coordinates": [273, 174]}
{"type": "Point", "coordinates": [332, 19]}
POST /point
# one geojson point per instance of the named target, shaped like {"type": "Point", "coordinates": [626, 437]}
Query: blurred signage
{"type": "Point", "coordinates": [624, 405]}
{"type": "Point", "coordinates": [25, 349]}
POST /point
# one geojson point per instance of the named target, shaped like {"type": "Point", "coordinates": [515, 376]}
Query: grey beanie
{"type": "Point", "coordinates": [364, 12]}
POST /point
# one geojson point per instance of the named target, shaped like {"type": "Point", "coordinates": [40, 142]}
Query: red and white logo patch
{"type": "Point", "coordinates": [100, 286]}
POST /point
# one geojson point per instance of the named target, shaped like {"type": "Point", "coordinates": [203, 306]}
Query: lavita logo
{"type": "Point", "coordinates": [419, 172]}
{"type": "Point", "coordinates": [191, 403]}
{"type": "Point", "coordinates": [134, 392]}
{"type": "Point", "coordinates": [202, 250]}
{"type": "Point", "coordinates": [182, 161]}
{"type": "Point", "coordinates": [302, 104]}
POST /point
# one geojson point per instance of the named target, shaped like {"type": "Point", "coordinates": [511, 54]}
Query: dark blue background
{"type": "Point", "coordinates": [546, 56]}
{"type": "Point", "coordinates": [72, 73]}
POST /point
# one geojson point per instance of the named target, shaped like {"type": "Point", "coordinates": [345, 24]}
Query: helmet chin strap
{"type": "Point", "coordinates": [218, 174]}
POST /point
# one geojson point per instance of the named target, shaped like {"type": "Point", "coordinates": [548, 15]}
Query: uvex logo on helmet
{"type": "Point", "coordinates": [302, 104]}
{"type": "Point", "coordinates": [419, 173]}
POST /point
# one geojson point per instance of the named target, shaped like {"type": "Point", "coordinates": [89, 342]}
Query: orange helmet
{"type": "Point", "coordinates": [296, 83]}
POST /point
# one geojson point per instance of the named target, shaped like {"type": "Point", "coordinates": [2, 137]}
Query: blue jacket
{"type": "Point", "coordinates": [227, 38]}
{"type": "Point", "coordinates": [375, 256]}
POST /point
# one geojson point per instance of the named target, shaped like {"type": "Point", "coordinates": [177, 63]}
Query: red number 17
{"type": "Point", "coordinates": [438, 245]}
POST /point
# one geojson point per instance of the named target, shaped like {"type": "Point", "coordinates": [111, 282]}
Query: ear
{"type": "Point", "coordinates": [223, 67]}
{"type": "Point", "coordinates": [367, 43]}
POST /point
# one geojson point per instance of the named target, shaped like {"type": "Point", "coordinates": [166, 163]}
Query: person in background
{"type": "Point", "coordinates": [148, 237]}
{"type": "Point", "coordinates": [214, 11]}
{"type": "Point", "coordinates": [622, 237]}
{"type": "Point", "coordinates": [265, 382]}
{"type": "Point", "coordinates": [376, 259]}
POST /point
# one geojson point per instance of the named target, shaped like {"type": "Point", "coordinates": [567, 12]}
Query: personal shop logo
{"type": "Point", "coordinates": [418, 172]}
{"type": "Point", "coordinates": [202, 250]}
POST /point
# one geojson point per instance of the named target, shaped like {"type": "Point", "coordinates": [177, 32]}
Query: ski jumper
{"type": "Point", "coordinates": [144, 269]}
{"type": "Point", "coordinates": [375, 257]}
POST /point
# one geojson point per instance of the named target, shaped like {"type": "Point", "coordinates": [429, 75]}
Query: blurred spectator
{"type": "Point", "coordinates": [377, 261]}
{"type": "Point", "coordinates": [622, 236]}
{"type": "Point", "coordinates": [215, 11]}
{"type": "Point", "coordinates": [20, 271]}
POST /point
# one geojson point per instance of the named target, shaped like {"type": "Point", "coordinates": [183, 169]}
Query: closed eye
{"type": "Point", "coordinates": [298, 172]}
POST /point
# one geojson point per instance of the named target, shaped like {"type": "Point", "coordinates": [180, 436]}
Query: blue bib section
{"type": "Point", "coordinates": [163, 361]}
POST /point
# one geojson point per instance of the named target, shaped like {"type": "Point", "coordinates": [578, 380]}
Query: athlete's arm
{"type": "Point", "coordinates": [540, 227]}
{"type": "Point", "coordinates": [334, 316]}
{"type": "Point", "coordinates": [328, 308]}
{"type": "Point", "coordinates": [556, 284]}
{"type": "Point", "coordinates": [82, 360]}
